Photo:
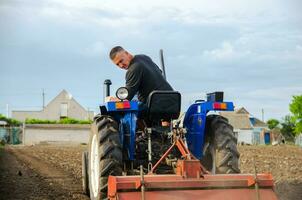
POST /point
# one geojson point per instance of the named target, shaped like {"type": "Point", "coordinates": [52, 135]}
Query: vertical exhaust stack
{"type": "Point", "coordinates": [106, 90]}
{"type": "Point", "coordinates": [161, 55]}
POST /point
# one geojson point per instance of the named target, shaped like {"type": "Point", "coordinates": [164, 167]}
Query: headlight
{"type": "Point", "coordinates": [122, 93]}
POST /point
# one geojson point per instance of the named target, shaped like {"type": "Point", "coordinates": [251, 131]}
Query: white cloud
{"type": "Point", "coordinates": [225, 52]}
{"type": "Point", "coordinates": [96, 49]}
{"type": "Point", "coordinates": [274, 100]}
{"type": "Point", "coordinates": [209, 44]}
{"type": "Point", "coordinates": [299, 48]}
{"type": "Point", "coordinates": [136, 12]}
{"type": "Point", "coordinates": [276, 93]}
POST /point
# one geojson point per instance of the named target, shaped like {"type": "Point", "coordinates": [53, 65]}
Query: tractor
{"type": "Point", "coordinates": [151, 152]}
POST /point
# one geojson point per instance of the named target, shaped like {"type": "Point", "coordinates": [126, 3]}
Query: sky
{"type": "Point", "coordinates": [251, 50]}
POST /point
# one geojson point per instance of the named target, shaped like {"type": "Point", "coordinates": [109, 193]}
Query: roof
{"type": "Point", "coordinates": [64, 94]}
{"type": "Point", "coordinates": [259, 123]}
{"type": "Point", "coordinates": [238, 121]}
{"type": "Point", "coordinates": [67, 95]}
{"type": "Point", "coordinates": [242, 110]}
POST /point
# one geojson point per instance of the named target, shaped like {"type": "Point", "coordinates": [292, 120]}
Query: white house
{"type": "Point", "coordinates": [247, 128]}
{"type": "Point", "coordinates": [241, 124]}
{"type": "Point", "coordinates": [62, 106]}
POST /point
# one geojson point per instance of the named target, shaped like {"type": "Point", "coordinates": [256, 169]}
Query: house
{"type": "Point", "coordinates": [261, 132]}
{"type": "Point", "coordinates": [248, 129]}
{"type": "Point", "coordinates": [242, 126]}
{"type": "Point", "coordinates": [62, 106]}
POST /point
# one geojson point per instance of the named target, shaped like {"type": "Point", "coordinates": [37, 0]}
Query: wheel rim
{"type": "Point", "coordinates": [95, 166]}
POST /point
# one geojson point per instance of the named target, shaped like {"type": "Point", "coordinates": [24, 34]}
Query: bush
{"type": "Point", "coordinates": [40, 121]}
{"type": "Point", "coordinates": [2, 143]}
{"type": "Point", "coordinates": [68, 121]}
{"type": "Point", "coordinates": [61, 121]}
{"type": "Point", "coordinates": [10, 121]}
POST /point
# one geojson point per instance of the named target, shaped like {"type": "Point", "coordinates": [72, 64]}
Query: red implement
{"type": "Point", "coordinates": [210, 187]}
{"type": "Point", "coordinates": [191, 181]}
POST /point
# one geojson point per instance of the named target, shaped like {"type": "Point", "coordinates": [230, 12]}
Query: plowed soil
{"type": "Point", "coordinates": [284, 162]}
{"type": "Point", "coordinates": [54, 172]}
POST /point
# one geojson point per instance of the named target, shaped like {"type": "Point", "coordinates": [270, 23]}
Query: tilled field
{"type": "Point", "coordinates": [284, 162]}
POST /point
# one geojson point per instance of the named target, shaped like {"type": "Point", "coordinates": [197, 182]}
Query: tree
{"type": "Point", "coordinates": [296, 109]}
{"type": "Point", "coordinates": [288, 128]}
{"type": "Point", "coordinates": [272, 123]}
{"type": "Point", "coordinates": [10, 121]}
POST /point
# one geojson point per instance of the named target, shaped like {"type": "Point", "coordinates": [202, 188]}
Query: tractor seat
{"type": "Point", "coordinates": [163, 105]}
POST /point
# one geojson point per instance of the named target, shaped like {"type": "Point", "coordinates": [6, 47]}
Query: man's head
{"type": "Point", "coordinates": [120, 57]}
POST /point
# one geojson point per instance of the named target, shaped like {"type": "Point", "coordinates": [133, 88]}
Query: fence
{"type": "Point", "coordinates": [56, 133]}
{"type": "Point", "coordinates": [30, 134]}
{"type": "Point", "coordinates": [11, 135]}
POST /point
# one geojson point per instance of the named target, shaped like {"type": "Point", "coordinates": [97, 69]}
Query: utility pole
{"type": "Point", "coordinates": [88, 116]}
{"type": "Point", "coordinates": [262, 114]}
{"type": "Point", "coordinates": [43, 96]}
{"type": "Point", "coordinates": [7, 110]}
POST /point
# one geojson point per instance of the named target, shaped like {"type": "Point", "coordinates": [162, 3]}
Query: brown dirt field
{"type": "Point", "coordinates": [50, 171]}
{"type": "Point", "coordinates": [284, 162]}
{"type": "Point", "coordinates": [25, 175]}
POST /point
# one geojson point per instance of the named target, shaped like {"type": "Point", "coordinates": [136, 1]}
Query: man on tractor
{"type": "Point", "coordinates": [143, 75]}
{"type": "Point", "coordinates": [123, 160]}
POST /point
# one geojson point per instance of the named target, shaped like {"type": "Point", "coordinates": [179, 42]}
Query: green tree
{"type": "Point", "coordinates": [296, 109]}
{"type": "Point", "coordinates": [272, 123]}
{"type": "Point", "coordinates": [10, 121]}
{"type": "Point", "coordinates": [288, 128]}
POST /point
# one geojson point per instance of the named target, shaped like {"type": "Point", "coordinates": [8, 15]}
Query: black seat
{"type": "Point", "coordinates": [163, 105]}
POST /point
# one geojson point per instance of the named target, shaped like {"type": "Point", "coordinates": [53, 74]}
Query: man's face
{"type": "Point", "coordinates": [122, 59]}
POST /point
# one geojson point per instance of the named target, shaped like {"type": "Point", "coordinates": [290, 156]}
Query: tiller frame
{"type": "Point", "coordinates": [191, 181]}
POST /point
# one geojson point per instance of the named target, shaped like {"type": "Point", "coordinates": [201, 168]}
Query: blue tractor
{"type": "Point", "coordinates": [128, 139]}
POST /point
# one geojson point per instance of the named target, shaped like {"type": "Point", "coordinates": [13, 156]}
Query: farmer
{"type": "Point", "coordinates": [143, 75]}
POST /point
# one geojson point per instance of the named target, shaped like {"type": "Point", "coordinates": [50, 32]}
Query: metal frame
{"type": "Point", "coordinates": [128, 122]}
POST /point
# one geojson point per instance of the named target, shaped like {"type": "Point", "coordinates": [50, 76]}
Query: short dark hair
{"type": "Point", "coordinates": [114, 51]}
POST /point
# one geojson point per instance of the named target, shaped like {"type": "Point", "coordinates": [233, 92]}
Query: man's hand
{"type": "Point", "coordinates": [111, 98]}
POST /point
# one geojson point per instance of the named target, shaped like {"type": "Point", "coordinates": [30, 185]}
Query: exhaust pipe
{"type": "Point", "coordinates": [161, 55]}
{"type": "Point", "coordinates": [106, 90]}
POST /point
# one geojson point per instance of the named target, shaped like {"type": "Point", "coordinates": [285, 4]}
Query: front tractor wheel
{"type": "Point", "coordinates": [105, 155]}
{"type": "Point", "coordinates": [221, 155]}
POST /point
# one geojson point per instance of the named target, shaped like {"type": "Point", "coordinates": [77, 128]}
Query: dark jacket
{"type": "Point", "coordinates": [143, 76]}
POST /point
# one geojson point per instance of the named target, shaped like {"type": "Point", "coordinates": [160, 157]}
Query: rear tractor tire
{"type": "Point", "coordinates": [105, 155]}
{"type": "Point", "coordinates": [221, 156]}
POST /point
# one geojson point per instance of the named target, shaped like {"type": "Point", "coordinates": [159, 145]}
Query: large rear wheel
{"type": "Point", "coordinates": [105, 155]}
{"type": "Point", "coordinates": [221, 155]}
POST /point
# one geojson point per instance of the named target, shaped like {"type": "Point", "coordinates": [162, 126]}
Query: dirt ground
{"type": "Point", "coordinates": [54, 172]}
{"type": "Point", "coordinates": [31, 173]}
{"type": "Point", "coordinates": [284, 162]}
